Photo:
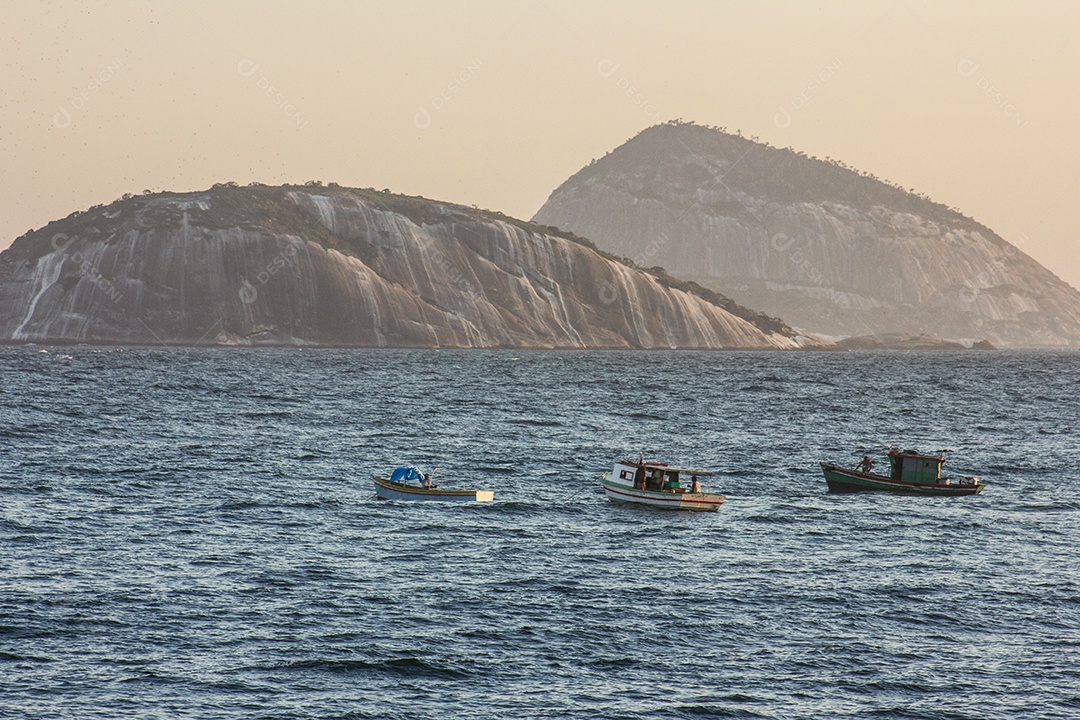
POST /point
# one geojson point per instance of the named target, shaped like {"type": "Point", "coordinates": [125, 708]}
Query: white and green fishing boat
{"type": "Point", "coordinates": [659, 485]}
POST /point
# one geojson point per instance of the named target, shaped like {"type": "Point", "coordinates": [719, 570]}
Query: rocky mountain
{"type": "Point", "coordinates": [902, 341]}
{"type": "Point", "coordinates": [314, 265]}
{"type": "Point", "coordinates": [828, 249]}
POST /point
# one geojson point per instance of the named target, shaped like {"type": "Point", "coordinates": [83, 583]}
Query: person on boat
{"type": "Point", "coordinates": [866, 464]}
{"type": "Point", "coordinates": [425, 482]}
{"type": "Point", "coordinates": [695, 484]}
{"type": "Point", "coordinates": [639, 474]}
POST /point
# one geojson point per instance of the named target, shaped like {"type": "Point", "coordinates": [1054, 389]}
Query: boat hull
{"type": "Point", "coordinates": [386, 490]}
{"type": "Point", "coordinates": [844, 480]}
{"type": "Point", "coordinates": [694, 502]}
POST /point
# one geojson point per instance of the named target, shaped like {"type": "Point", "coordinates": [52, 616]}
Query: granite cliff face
{"type": "Point", "coordinates": [313, 265]}
{"type": "Point", "coordinates": [827, 249]}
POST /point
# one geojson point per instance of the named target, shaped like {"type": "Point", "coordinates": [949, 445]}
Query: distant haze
{"type": "Point", "coordinates": [495, 103]}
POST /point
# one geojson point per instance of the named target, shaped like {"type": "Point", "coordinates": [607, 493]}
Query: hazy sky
{"type": "Point", "coordinates": [496, 103]}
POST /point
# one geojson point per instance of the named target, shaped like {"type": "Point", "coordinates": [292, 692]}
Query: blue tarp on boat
{"type": "Point", "coordinates": [406, 473]}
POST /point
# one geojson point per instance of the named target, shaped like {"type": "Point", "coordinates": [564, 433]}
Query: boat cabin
{"type": "Point", "coordinates": [659, 477]}
{"type": "Point", "coordinates": [912, 466]}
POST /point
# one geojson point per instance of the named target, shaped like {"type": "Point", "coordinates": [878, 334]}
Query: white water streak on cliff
{"type": "Point", "coordinates": [46, 273]}
{"type": "Point", "coordinates": [687, 309]}
{"type": "Point", "coordinates": [633, 307]}
{"type": "Point", "coordinates": [325, 206]}
{"type": "Point", "coordinates": [367, 284]}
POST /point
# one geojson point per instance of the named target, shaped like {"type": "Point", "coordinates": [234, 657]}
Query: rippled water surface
{"type": "Point", "coordinates": [193, 534]}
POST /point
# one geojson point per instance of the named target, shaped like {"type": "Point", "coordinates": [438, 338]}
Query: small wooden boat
{"type": "Point", "coordinates": [910, 473]}
{"type": "Point", "coordinates": [398, 487]}
{"type": "Point", "coordinates": [659, 485]}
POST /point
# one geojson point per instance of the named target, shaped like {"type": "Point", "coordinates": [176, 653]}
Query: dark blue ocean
{"type": "Point", "coordinates": [192, 534]}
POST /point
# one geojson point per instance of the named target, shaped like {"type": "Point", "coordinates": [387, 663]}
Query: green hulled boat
{"type": "Point", "coordinates": [910, 473]}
